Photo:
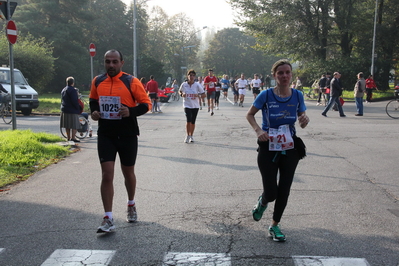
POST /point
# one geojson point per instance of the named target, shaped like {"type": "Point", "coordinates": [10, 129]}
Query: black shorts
{"type": "Point", "coordinates": [126, 147]}
{"type": "Point", "coordinates": [255, 90]}
{"type": "Point", "coordinates": [154, 96]}
{"type": "Point", "coordinates": [191, 114]}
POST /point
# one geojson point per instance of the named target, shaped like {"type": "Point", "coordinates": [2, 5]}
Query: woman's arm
{"type": "Point", "coordinates": [262, 135]}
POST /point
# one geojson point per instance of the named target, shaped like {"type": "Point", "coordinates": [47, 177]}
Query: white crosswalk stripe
{"type": "Point", "coordinates": [186, 258]}
{"type": "Point", "coordinates": [72, 257]}
{"type": "Point", "coordinates": [328, 261]}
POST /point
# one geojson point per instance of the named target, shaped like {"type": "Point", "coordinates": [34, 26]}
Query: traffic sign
{"type": "Point", "coordinates": [11, 32]}
{"type": "Point", "coordinates": [92, 49]}
{"type": "Point", "coordinates": [4, 9]}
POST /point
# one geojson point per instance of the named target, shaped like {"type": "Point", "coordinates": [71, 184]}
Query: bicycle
{"type": "Point", "coordinates": [392, 108]}
{"type": "Point", "coordinates": [5, 108]}
{"type": "Point", "coordinates": [84, 130]}
{"type": "Point", "coordinates": [176, 96]}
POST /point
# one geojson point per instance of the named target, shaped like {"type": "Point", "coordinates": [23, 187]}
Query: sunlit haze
{"type": "Point", "coordinates": [211, 13]}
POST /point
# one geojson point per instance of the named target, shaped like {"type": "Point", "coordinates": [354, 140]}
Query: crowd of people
{"type": "Point", "coordinates": [279, 147]}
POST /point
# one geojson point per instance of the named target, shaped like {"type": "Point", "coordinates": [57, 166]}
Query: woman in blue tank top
{"type": "Point", "coordinates": [279, 148]}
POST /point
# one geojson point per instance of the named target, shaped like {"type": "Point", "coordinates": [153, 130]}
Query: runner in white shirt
{"type": "Point", "coordinates": [192, 92]}
{"type": "Point", "coordinates": [241, 84]}
{"type": "Point", "coordinates": [255, 85]}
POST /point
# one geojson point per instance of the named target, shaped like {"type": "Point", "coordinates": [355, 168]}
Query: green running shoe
{"type": "Point", "coordinates": [258, 210]}
{"type": "Point", "coordinates": [276, 233]}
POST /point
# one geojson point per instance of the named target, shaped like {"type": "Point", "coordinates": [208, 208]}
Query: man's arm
{"type": "Point", "coordinates": [141, 97]}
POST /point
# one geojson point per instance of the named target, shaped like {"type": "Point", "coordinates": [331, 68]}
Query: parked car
{"type": "Point", "coordinates": [26, 98]}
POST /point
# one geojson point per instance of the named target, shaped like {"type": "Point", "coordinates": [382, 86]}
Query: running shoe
{"type": "Point", "coordinates": [131, 213]}
{"type": "Point", "coordinates": [276, 233]}
{"type": "Point", "coordinates": [258, 210]}
{"type": "Point", "coordinates": [212, 113]}
{"type": "Point", "coordinates": [186, 140]}
{"type": "Point", "coordinates": [106, 226]}
{"type": "Point", "coordinates": [191, 139]}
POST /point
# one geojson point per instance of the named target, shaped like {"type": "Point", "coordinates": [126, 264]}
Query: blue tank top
{"type": "Point", "coordinates": [278, 111]}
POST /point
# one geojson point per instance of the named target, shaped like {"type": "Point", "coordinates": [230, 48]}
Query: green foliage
{"type": "Point", "coordinates": [33, 56]}
{"type": "Point", "coordinates": [325, 35]}
{"type": "Point", "coordinates": [233, 52]}
{"type": "Point", "coordinates": [23, 152]}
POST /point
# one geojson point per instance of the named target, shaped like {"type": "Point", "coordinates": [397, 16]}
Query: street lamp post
{"type": "Point", "coordinates": [134, 38]}
{"type": "Point", "coordinates": [184, 55]}
{"type": "Point", "coordinates": [374, 33]}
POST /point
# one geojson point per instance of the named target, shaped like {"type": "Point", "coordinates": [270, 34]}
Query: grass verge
{"type": "Point", "coordinates": [23, 152]}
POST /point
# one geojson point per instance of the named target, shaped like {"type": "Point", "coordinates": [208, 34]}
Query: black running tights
{"type": "Point", "coordinates": [274, 188]}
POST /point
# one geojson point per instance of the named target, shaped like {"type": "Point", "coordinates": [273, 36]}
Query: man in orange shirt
{"type": "Point", "coordinates": [116, 99]}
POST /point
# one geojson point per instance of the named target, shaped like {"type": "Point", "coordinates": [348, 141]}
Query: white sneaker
{"type": "Point", "coordinates": [106, 226]}
{"type": "Point", "coordinates": [131, 213]}
{"type": "Point", "coordinates": [191, 139]}
{"type": "Point", "coordinates": [186, 140]}
{"type": "Point", "coordinates": [217, 108]}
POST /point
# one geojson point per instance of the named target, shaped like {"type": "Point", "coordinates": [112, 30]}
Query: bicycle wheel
{"type": "Point", "coordinates": [63, 132]}
{"type": "Point", "coordinates": [84, 130]}
{"type": "Point", "coordinates": [392, 109]}
{"type": "Point", "coordinates": [6, 113]}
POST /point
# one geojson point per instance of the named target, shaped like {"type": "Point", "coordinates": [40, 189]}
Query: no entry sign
{"type": "Point", "coordinates": [92, 49]}
{"type": "Point", "coordinates": [11, 31]}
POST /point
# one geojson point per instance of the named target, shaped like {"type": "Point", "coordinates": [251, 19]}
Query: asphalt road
{"type": "Point", "coordinates": [195, 199]}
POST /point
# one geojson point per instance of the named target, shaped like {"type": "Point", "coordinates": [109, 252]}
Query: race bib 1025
{"type": "Point", "coordinates": [109, 107]}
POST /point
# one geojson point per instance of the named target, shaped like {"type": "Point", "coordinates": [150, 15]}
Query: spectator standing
{"type": "Point", "coordinates": [360, 88]}
{"type": "Point", "coordinates": [152, 88]}
{"type": "Point", "coordinates": [370, 86]}
{"type": "Point", "coordinates": [298, 84]}
{"type": "Point", "coordinates": [335, 92]}
{"type": "Point", "coordinates": [116, 100]}
{"type": "Point", "coordinates": [322, 89]}
{"type": "Point", "coordinates": [70, 109]}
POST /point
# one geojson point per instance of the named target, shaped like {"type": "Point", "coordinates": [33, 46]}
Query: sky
{"type": "Point", "coordinates": [211, 13]}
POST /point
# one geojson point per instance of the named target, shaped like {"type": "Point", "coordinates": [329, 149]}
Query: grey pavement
{"type": "Point", "coordinates": [196, 198]}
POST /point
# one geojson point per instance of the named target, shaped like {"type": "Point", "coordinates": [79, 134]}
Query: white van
{"type": "Point", "coordinates": [26, 98]}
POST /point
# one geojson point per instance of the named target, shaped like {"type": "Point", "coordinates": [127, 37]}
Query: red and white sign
{"type": "Point", "coordinates": [92, 49]}
{"type": "Point", "coordinates": [12, 32]}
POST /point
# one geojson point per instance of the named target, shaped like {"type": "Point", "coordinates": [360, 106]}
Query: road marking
{"type": "Point", "coordinates": [72, 257]}
{"type": "Point", "coordinates": [328, 261]}
{"type": "Point", "coordinates": [185, 258]}
{"type": "Point", "coordinates": [76, 257]}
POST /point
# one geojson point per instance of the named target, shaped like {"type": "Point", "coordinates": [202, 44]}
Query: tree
{"type": "Point", "coordinates": [58, 21]}
{"type": "Point", "coordinates": [232, 52]}
{"type": "Point", "coordinates": [322, 35]}
{"type": "Point", "coordinates": [33, 57]}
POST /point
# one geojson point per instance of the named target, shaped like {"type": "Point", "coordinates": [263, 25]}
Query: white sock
{"type": "Point", "coordinates": [131, 202]}
{"type": "Point", "coordinates": [109, 214]}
